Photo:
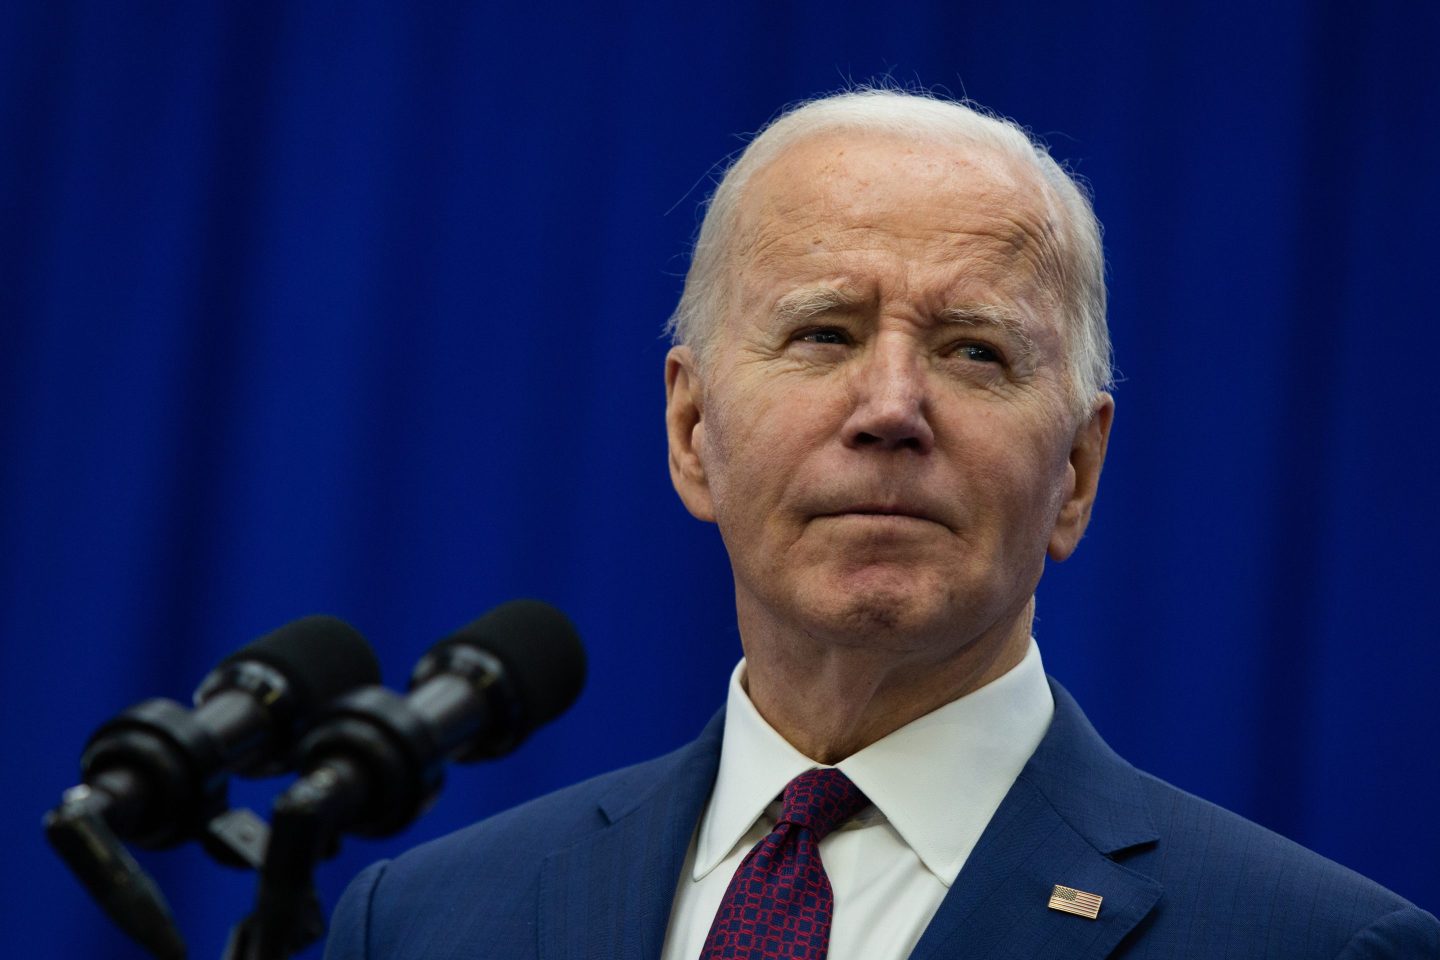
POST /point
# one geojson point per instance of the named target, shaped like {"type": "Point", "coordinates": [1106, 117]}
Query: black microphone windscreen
{"type": "Point", "coordinates": [320, 657]}
{"type": "Point", "coordinates": [541, 651]}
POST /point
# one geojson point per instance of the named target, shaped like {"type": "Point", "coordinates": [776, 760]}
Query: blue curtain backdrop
{"type": "Point", "coordinates": [355, 308]}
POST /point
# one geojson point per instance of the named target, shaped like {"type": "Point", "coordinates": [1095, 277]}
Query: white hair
{"type": "Point", "coordinates": [1075, 269]}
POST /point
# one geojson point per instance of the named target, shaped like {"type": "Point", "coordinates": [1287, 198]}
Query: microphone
{"type": "Point", "coordinates": [156, 772]}
{"type": "Point", "coordinates": [376, 761]}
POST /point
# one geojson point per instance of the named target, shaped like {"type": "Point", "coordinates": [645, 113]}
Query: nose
{"type": "Point", "coordinates": [891, 404]}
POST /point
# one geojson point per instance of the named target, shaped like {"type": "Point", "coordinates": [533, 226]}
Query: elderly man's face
{"type": "Point", "coordinates": [883, 430]}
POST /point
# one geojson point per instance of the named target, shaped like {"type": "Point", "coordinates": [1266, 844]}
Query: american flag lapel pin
{"type": "Point", "coordinates": [1078, 902]}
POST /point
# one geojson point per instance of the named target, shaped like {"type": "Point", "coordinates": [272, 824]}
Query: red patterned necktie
{"type": "Point", "coordinates": [779, 902]}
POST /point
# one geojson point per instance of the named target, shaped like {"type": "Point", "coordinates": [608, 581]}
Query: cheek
{"type": "Point", "coordinates": [1019, 471]}
{"type": "Point", "coordinates": [746, 475]}
{"type": "Point", "coordinates": [753, 451]}
{"type": "Point", "coordinates": [1044, 487]}
{"type": "Point", "coordinates": [725, 445]}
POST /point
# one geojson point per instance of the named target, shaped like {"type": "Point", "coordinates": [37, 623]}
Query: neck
{"type": "Point", "coordinates": [832, 699]}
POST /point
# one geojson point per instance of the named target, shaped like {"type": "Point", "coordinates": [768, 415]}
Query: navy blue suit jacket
{"type": "Point", "coordinates": [590, 872]}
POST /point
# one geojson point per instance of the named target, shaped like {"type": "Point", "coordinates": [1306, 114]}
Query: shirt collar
{"type": "Point", "coordinates": [938, 779]}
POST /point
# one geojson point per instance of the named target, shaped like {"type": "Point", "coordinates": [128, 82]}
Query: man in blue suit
{"type": "Point", "coordinates": [888, 391]}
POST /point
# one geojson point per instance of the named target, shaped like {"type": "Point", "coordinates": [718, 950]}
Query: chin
{"type": "Point", "coordinates": [898, 613]}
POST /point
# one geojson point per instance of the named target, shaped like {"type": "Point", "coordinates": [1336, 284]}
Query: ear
{"type": "Point", "coordinates": [685, 427]}
{"type": "Point", "coordinates": [1087, 456]}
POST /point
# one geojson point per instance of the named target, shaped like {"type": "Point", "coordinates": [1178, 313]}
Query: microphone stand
{"type": "Point", "coordinates": [78, 832]}
{"type": "Point", "coordinates": [304, 830]}
{"type": "Point", "coordinates": [372, 769]}
{"type": "Point", "coordinates": [81, 834]}
{"type": "Point", "coordinates": [287, 917]}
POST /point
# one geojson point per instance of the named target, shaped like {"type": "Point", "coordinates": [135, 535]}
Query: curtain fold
{"type": "Point", "coordinates": [357, 310]}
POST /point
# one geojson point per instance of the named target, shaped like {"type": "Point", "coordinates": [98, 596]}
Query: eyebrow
{"type": "Point", "coordinates": [988, 315]}
{"type": "Point", "coordinates": [806, 303]}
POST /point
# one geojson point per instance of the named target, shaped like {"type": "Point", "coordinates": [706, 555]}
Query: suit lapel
{"type": "Point", "coordinates": [997, 906]}
{"type": "Point", "coordinates": [1075, 806]}
{"type": "Point", "coordinates": [610, 894]}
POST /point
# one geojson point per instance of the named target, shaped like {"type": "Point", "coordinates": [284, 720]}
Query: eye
{"type": "Point", "coordinates": [980, 353]}
{"type": "Point", "coordinates": [829, 335]}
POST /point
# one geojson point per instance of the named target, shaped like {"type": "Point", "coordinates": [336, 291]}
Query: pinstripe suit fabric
{"type": "Point", "coordinates": [589, 872]}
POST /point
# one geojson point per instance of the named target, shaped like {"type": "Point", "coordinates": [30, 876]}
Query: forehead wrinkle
{"type": "Point", "coordinates": [813, 200]}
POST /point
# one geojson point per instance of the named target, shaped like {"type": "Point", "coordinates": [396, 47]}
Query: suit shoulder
{"type": "Point", "coordinates": [1193, 826]}
{"type": "Point", "coordinates": [423, 903]}
{"type": "Point", "coordinates": [514, 841]}
{"type": "Point", "coordinates": [1227, 887]}
{"type": "Point", "coordinates": [550, 821]}
{"type": "Point", "coordinates": [1229, 875]}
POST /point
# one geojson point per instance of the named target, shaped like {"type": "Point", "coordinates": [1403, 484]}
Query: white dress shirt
{"type": "Point", "coordinates": [933, 784]}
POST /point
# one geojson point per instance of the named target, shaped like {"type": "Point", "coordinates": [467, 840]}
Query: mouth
{"type": "Point", "coordinates": [883, 513]}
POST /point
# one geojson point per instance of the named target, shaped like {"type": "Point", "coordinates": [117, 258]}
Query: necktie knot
{"type": "Point", "coordinates": [821, 800]}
